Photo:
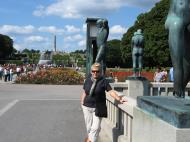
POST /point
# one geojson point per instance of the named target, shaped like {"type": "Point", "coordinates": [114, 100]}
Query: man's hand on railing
{"type": "Point", "coordinates": [122, 100]}
{"type": "Point", "coordinates": [116, 96]}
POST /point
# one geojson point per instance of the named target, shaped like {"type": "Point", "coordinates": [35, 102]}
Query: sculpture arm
{"type": "Point", "coordinates": [188, 28]}
{"type": "Point", "coordinates": [101, 53]}
{"type": "Point", "coordinates": [167, 22]}
{"type": "Point", "coordinates": [132, 43]}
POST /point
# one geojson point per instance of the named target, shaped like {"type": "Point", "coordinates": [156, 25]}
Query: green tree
{"type": "Point", "coordinates": [61, 59]}
{"type": "Point", "coordinates": [156, 50]}
{"type": "Point", "coordinates": [113, 56]}
{"type": "Point", "coordinates": [78, 57]}
{"type": "Point", "coordinates": [6, 46]}
{"type": "Point", "coordinates": [26, 51]}
{"type": "Point", "coordinates": [33, 55]}
{"type": "Point", "coordinates": [79, 51]}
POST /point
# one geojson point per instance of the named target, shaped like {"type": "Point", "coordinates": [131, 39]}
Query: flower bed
{"type": "Point", "coordinates": [122, 76]}
{"type": "Point", "coordinates": [57, 76]}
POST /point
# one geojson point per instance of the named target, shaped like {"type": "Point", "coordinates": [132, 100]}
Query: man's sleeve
{"type": "Point", "coordinates": [107, 86]}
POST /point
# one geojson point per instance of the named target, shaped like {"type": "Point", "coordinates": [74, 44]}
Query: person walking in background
{"type": "Point", "coordinates": [18, 71]}
{"type": "Point", "coordinates": [1, 72]}
{"type": "Point", "coordinates": [11, 74]}
{"type": "Point", "coordinates": [171, 74]}
{"type": "Point", "coordinates": [93, 101]}
{"type": "Point", "coordinates": [5, 73]}
{"type": "Point", "coordinates": [158, 75]}
{"type": "Point", "coordinates": [164, 75]}
{"type": "Point", "coordinates": [8, 73]}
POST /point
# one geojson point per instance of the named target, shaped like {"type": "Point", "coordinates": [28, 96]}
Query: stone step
{"type": "Point", "coordinates": [103, 137]}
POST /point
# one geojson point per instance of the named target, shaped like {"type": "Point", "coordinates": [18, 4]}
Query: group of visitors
{"type": "Point", "coordinates": [163, 76]}
{"type": "Point", "coordinates": [7, 71]}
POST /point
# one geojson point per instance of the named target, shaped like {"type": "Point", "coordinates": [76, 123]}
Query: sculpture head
{"type": "Point", "coordinates": [99, 23]}
{"type": "Point", "coordinates": [105, 23]}
{"type": "Point", "coordinates": [180, 8]}
{"type": "Point", "coordinates": [139, 31]}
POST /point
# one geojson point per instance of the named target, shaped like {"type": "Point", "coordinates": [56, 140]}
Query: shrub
{"type": "Point", "coordinates": [57, 76]}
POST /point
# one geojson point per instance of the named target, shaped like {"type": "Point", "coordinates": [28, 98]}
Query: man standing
{"type": "Point", "coordinates": [171, 74]}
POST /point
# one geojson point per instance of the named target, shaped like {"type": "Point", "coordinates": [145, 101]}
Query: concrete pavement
{"type": "Point", "coordinates": [45, 113]}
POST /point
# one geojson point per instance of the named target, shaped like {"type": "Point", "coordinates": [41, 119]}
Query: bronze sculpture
{"type": "Point", "coordinates": [102, 36]}
{"type": "Point", "coordinates": [137, 44]}
{"type": "Point", "coordinates": [178, 25]}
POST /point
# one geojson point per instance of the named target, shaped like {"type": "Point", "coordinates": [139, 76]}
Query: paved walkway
{"type": "Point", "coordinates": [41, 113]}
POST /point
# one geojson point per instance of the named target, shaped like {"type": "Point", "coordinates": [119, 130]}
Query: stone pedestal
{"type": "Point", "coordinates": [138, 86]}
{"type": "Point", "coordinates": [161, 119]}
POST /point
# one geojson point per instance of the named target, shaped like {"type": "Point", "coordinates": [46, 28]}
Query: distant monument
{"type": "Point", "coordinates": [137, 44]}
{"type": "Point", "coordinates": [55, 45]}
{"type": "Point", "coordinates": [45, 58]}
{"type": "Point", "coordinates": [178, 25]}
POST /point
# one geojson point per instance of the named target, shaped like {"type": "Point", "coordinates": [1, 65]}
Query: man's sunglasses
{"type": "Point", "coordinates": [95, 71]}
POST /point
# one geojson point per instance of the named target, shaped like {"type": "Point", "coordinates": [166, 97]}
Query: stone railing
{"type": "Point", "coordinates": [121, 115]}
{"type": "Point", "coordinates": [156, 88]}
{"type": "Point", "coordinates": [165, 89]}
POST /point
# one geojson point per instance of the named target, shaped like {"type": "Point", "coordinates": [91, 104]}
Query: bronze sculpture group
{"type": "Point", "coordinates": [178, 25]}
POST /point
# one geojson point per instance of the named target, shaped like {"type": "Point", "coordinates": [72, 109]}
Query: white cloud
{"type": "Point", "coordinates": [7, 29]}
{"type": "Point", "coordinates": [68, 38]}
{"type": "Point", "coordinates": [80, 8]}
{"type": "Point", "coordinates": [13, 38]}
{"type": "Point", "coordinates": [14, 29]}
{"type": "Point", "coordinates": [73, 38]}
{"type": "Point", "coordinates": [33, 44]}
{"type": "Point", "coordinates": [51, 29]}
{"type": "Point", "coordinates": [78, 37]}
{"type": "Point", "coordinates": [67, 46]}
{"type": "Point", "coordinates": [84, 27]}
{"type": "Point", "coordinates": [36, 39]}
{"type": "Point", "coordinates": [82, 43]}
{"type": "Point", "coordinates": [72, 29]}
{"type": "Point", "coordinates": [118, 29]}
{"type": "Point", "coordinates": [39, 11]}
{"type": "Point", "coordinates": [17, 46]}
{"type": "Point", "coordinates": [111, 37]}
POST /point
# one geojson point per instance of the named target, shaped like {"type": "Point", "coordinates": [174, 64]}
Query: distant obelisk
{"type": "Point", "coordinates": [55, 43]}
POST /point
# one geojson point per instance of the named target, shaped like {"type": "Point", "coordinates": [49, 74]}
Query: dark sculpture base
{"type": "Point", "coordinates": [170, 109]}
{"type": "Point", "coordinates": [141, 78]}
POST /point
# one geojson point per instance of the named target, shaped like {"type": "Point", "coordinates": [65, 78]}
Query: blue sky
{"type": "Point", "coordinates": [32, 24]}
